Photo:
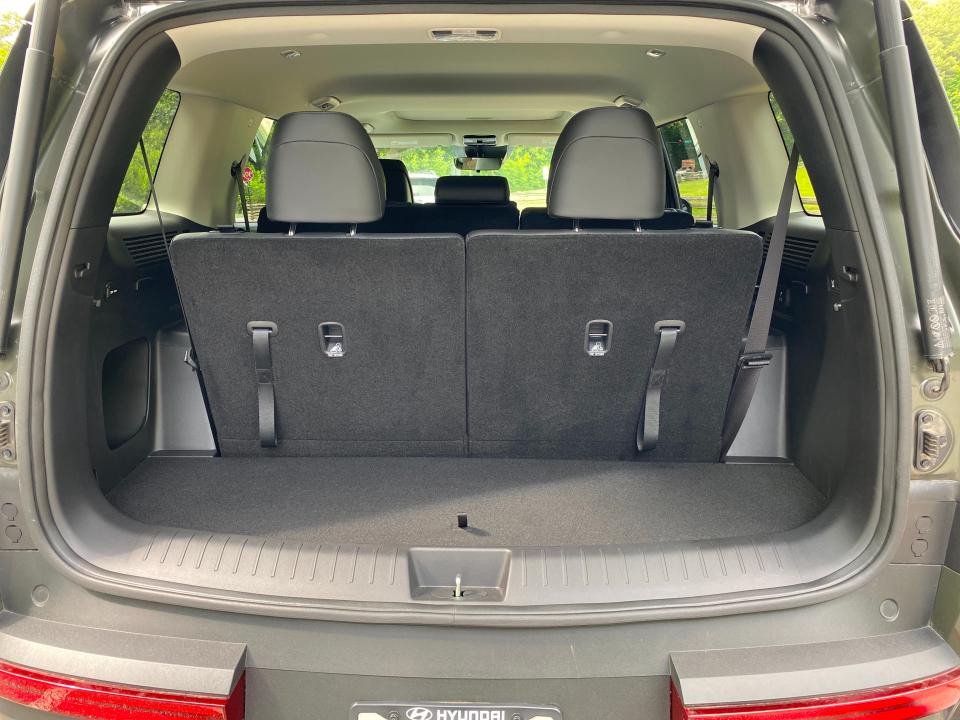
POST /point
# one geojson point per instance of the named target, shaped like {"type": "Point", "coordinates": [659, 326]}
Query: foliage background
{"type": "Point", "coordinates": [523, 166]}
{"type": "Point", "coordinates": [135, 191]}
{"type": "Point", "coordinates": [939, 23]}
{"type": "Point", "coordinates": [9, 24]}
{"type": "Point", "coordinates": [938, 20]}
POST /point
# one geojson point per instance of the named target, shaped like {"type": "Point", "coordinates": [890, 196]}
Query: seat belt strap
{"type": "Point", "coordinates": [755, 356]}
{"type": "Point", "coordinates": [190, 357]}
{"type": "Point", "coordinates": [713, 172]}
{"type": "Point", "coordinates": [153, 191]}
{"type": "Point", "coordinates": [266, 398]}
{"type": "Point", "coordinates": [648, 427]}
{"type": "Point", "coordinates": [237, 173]}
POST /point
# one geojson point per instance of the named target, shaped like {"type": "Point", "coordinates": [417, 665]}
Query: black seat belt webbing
{"type": "Point", "coordinates": [190, 357]}
{"type": "Point", "coordinates": [755, 356]}
{"type": "Point", "coordinates": [713, 172]}
{"type": "Point", "coordinates": [648, 427]}
{"type": "Point", "coordinates": [237, 173]}
{"type": "Point", "coordinates": [153, 191]}
{"type": "Point", "coordinates": [266, 398]}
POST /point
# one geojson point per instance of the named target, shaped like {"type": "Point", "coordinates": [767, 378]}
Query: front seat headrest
{"type": "Point", "coordinates": [472, 190]}
{"type": "Point", "coordinates": [323, 168]}
{"type": "Point", "coordinates": [399, 190]}
{"type": "Point", "coordinates": [608, 164]}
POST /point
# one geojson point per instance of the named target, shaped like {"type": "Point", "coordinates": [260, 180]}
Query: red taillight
{"type": "Point", "coordinates": [83, 699]}
{"type": "Point", "coordinates": [897, 702]}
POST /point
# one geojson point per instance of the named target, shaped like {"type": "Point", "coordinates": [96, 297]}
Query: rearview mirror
{"type": "Point", "coordinates": [478, 163]}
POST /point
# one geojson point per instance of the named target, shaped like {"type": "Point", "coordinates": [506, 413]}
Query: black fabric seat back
{"type": "Point", "coordinates": [538, 384]}
{"type": "Point", "coordinates": [464, 203]}
{"type": "Point", "coordinates": [366, 332]}
{"type": "Point", "coordinates": [533, 388]}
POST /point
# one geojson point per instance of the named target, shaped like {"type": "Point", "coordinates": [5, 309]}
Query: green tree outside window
{"type": "Point", "coordinates": [135, 190]}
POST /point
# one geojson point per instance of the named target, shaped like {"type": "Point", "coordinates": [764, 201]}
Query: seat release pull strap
{"type": "Point", "coordinates": [266, 398]}
{"type": "Point", "coordinates": [153, 191]}
{"type": "Point", "coordinates": [648, 428]}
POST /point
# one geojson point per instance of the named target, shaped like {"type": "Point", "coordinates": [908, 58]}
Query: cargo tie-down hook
{"type": "Point", "coordinates": [934, 388]}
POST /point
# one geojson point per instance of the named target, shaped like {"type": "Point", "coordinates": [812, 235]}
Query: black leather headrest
{"type": "Point", "coordinates": [608, 164]}
{"type": "Point", "coordinates": [472, 190]}
{"type": "Point", "coordinates": [399, 190]}
{"type": "Point", "coordinates": [323, 169]}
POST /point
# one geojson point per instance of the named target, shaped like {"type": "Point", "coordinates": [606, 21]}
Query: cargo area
{"type": "Point", "coordinates": [401, 364]}
{"type": "Point", "coordinates": [507, 503]}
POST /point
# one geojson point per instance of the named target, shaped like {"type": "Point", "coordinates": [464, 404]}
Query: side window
{"type": "Point", "coordinates": [10, 23]}
{"type": "Point", "coordinates": [804, 186]}
{"type": "Point", "coordinates": [135, 190]}
{"type": "Point", "coordinates": [13, 43]}
{"type": "Point", "coordinates": [687, 164]}
{"type": "Point", "coordinates": [255, 172]}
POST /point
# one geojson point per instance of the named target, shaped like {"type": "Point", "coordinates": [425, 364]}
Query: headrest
{"type": "Point", "coordinates": [472, 190]}
{"type": "Point", "coordinates": [608, 164]}
{"type": "Point", "coordinates": [399, 190]}
{"type": "Point", "coordinates": [323, 169]}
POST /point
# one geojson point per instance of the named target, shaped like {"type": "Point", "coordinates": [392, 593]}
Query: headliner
{"type": "Point", "coordinates": [390, 73]}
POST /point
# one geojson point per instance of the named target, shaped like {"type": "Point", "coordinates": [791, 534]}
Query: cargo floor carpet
{"type": "Point", "coordinates": [415, 501]}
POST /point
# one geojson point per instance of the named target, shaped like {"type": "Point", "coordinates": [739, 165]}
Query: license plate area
{"type": "Point", "coordinates": [451, 711]}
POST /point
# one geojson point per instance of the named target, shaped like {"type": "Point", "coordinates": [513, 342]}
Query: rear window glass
{"type": "Point", "coordinates": [135, 190]}
{"type": "Point", "coordinates": [687, 164]}
{"type": "Point", "coordinates": [526, 168]}
{"type": "Point", "coordinates": [424, 165]}
{"type": "Point", "coordinates": [10, 23]}
{"type": "Point", "coordinates": [255, 175]}
{"type": "Point", "coordinates": [804, 186]}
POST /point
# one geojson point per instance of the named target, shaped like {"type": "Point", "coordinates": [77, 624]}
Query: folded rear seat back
{"type": "Point", "coordinates": [363, 334]}
{"type": "Point", "coordinates": [564, 327]}
{"type": "Point", "coordinates": [534, 390]}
